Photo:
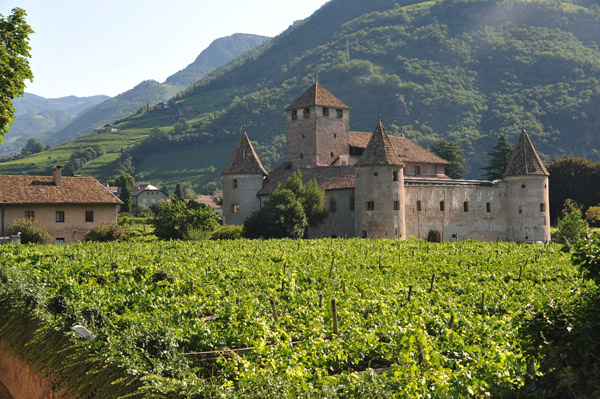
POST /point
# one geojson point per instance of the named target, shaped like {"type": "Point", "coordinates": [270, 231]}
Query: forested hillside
{"type": "Point", "coordinates": [465, 70]}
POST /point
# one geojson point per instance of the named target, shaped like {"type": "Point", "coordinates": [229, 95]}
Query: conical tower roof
{"type": "Point", "coordinates": [524, 160]}
{"type": "Point", "coordinates": [379, 151]}
{"type": "Point", "coordinates": [244, 159]}
{"type": "Point", "coordinates": [317, 95]}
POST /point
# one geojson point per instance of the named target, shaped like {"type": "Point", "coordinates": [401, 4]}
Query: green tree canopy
{"type": "Point", "coordinates": [499, 158]}
{"type": "Point", "coordinates": [174, 220]}
{"type": "Point", "coordinates": [32, 147]}
{"type": "Point", "coordinates": [14, 65]}
{"type": "Point", "coordinates": [125, 181]}
{"type": "Point", "coordinates": [451, 152]}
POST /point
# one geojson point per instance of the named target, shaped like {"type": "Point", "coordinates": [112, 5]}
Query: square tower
{"type": "Point", "coordinates": [317, 129]}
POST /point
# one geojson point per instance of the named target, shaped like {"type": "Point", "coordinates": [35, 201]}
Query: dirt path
{"type": "Point", "coordinates": [4, 394]}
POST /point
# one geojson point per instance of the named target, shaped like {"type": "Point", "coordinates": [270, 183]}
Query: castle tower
{"type": "Point", "coordinates": [317, 129]}
{"type": "Point", "coordinates": [527, 204]}
{"type": "Point", "coordinates": [379, 190]}
{"type": "Point", "coordinates": [242, 179]}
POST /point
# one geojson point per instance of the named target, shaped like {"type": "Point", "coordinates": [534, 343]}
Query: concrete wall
{"type": "Point", "coordinates": [73, 228]}
{"type": "Point", "coordinates": [244, 195]}
{"type": "Point", "coordinates": [453, 222]}
{"type": "Point", "coordinates": [529, 221]}
{"type": "Point", "coordinates": [341, 222]}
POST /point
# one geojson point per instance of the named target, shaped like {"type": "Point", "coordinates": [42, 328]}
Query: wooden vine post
{"type": "Point", "coordinates": [334, 315]}
{"type": "Point", "coordinates": [274, 309]}
{"type": "Point", "coordinates": [409, 293]}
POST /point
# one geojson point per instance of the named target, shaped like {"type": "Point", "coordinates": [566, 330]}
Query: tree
{"type": "Point", "coordinates": [499, 159]}
{"type": "Point", "coordinates": [452, 153]}
{"type": "Point", "coordinates": [106, 232]}
{"type": "Point", "coordinates": [14, 68]}
{"type": "Point", "coordinates": [125, 181]}
{"type": "Point", "coordinates": [31, 231]}
{"type": "Point", "coordinates": [571, 225]}
{"type": "Point", "coordinates": [174, 220]}
{"type": "Point", "coordinates": [178, 194]}
{"type": "Point", "coordinates": [311, 197]}
{"type": "Point", "coordinates": [32, 147]}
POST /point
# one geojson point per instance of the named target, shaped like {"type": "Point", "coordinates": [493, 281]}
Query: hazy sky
{"type": "Point", "coordinates": [89, 47]}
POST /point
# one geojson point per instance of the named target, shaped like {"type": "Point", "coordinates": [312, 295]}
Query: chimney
{"type": "Point", "coordinates": [56, 175]}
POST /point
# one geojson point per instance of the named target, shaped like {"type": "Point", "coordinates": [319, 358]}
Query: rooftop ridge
{"type": "Point", "coordinates": [244, 159]}
{"type": "Point", "coordinates": [317, 94]}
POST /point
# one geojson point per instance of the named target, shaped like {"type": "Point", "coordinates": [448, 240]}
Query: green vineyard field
{"type": "Point", "coordinates": [249, 318]}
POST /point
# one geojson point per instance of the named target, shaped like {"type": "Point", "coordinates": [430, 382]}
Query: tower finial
{"type": "Point", "coordinates": [523, 129]}
{"type": "Point", "coordinates": [317, 78]}
{"type": "Point", "coordinates": [379, 115]}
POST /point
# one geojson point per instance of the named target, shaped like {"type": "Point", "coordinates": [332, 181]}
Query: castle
{"type": "Point", "coordinates": [381, 186]}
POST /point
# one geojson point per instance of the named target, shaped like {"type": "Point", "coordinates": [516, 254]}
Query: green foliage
{"type": "Point", "coordinates": [227, 233]}
{"type": "Point", "coordinates": [451, 152]}
{"type": "Point", "coordinates": [311, 198]}
{"type": "Point", "coordinates": [499, 158]}
{"type": "Point", "coordinates": [126, 182]}
{"type": "Point", "coordinates": [586, 255]}
{"type": "Point", "coordinates": [434, 236]}
{"type": "Point", "coordinates": [106, 232]}
{"type": "Point", "coordinates": [32, 147]}
{"type": "Point", "coordinates": [178, 194]}
{"type": "Point", "coordinates": [31, 231]}
{"type": "Point", "coordinates": [592, 216]}
{"type": "Point", "coordinates": [175, 220]}
{"type": "Point", "coordinates": [571, 226]}
{"type": "Point", "coordinates": [80, 158]}
{"type": "Point", "coordinates": [14, 68]}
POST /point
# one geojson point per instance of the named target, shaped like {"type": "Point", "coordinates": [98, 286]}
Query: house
{"type": "Point", "coordinates": [381, 186]}
{"type": "Point", "coordinates": [146, 195]}
{"type": "Point", "coordinates": [67, 206]}
{"type": "Point", "coordinates": [108, 128]}
{"type": "Point", "coordinates": [214, 201]}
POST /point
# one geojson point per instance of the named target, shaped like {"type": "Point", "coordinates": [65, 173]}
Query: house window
{"type": "Point", "coordinates": [89, 216]}
{"type": "Point", "coordinates": [340, 113]}
{"type": "Point", "coordinates": [542, 207]}
{"type": "Point", "coordinates": [235, 208]}
{"type": "Point", "coordinates": [417, 170]}
{"type": "Point", "coordinates": [235, 183]}
{"type": "Point", "coordinates": [332, 205]}
{"type": "Point", "coordinates": [396, 205]}
{"type": "Point", "coordinates": [370, 205]}
{"type": "Point", "coordinates": [418, 206]}
{"type": "Point", "coordinates": [60, 240]}
{"type": "Point", "coordinates": [442, 206]}
{"type": "Point", "coordinates": [60, 216]}
{"type": "Point", "coordinates": [351, 203]}
{"type": "Point", "coordinates": [395, 176]}
{"type": "Point", "coordinates": [29, 214]}
{"type": "Point", "coordinates": [294, 114]}
{"type": "Point", "coordinates": [306, 112]}
{"type": "Point", "coordinates": [466, 206]}
{"type": "Point", "coordinates": [325, 111]}
{"type": "Point", "coordinates": [488, 207]}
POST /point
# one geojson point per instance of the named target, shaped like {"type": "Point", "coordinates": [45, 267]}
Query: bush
{"type": "Point", "coordinates": [571, 225]}
{"type": "Point", "coordinates": [176, 220]}
{"type": "Point", "coordinates": [586, 255]}
{"type": "Point", "coordinates": [31, 231]}
{"type": "Point", "coordinates": [434, 236]}
{"type": "Point", "coordinates": [592, 216]}
{"type": "Point", "coordinates": [196, 234]}
{"type": "Point", "coordinates": [106, 232]}
{"type": "Point", "coordinates": [227, 233]}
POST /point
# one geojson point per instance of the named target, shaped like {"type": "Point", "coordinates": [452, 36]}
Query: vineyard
{"type": "Point", "coordinates": [281, 318]}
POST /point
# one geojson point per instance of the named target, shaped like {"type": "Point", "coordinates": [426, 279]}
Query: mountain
{"type": "Point", "coordinates": [464, 70]}
{"type": "Point", "coordinates": [220, 52]}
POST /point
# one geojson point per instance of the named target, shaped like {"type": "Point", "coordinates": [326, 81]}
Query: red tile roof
{"type": "Point", "coordinates": [31, 190]}
{"type": "Point", "coordinates": [328, 177]}
{"type": "Point", "coordinates": [524, 160]}
{"type": "Point", "coordinates": [406, 150]}
{"type": "Point", "coordinates": [317, 95]}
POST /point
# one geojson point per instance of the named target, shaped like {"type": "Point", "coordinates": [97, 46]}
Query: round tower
{"type": "Point", "coordinates": [379, 190]}
{"type": "Point", "coordinates": [527, 204]}
{"type": "Point", "coordinates": [243, 178]}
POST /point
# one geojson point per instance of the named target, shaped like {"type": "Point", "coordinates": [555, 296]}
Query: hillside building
{"type": "Point", "coordinates": [381, 186]}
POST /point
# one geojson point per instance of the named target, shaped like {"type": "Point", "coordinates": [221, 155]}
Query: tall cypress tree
{"type": "Point", "coordinates": [499, 159]}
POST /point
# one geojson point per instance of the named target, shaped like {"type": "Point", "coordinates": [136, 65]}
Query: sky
{"type": "Point", "coordinates": [91, 47]}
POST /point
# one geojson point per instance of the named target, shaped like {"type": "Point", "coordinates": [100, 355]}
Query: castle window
{"type": "Point", "coordinates": [488, 207]}
{"type": "Point", "coordinates": [89, 216]}
{"type": "Point", "coordinates": [294, 114]}
{"type": "Point", "coordinates": [340, 113]}
{"type": "Point", "coordinates": [352, 203]}
{"type": "Point", "coordinates": [235, 183]}
{"type": "Point", "coordinates": [418, 206]}
{"type": "Point", "coordinates": [542, 207]}
{"type": "Point", "coordinates": [325, 111]}
{"type": "Point", "coordinates": [235, 208]}
{"type": "Point", "coordinates": [334, 135]}
{"type": "Point", "coordinates": [301, 155]}
{"type": "Point", "coordinates": [417, 170]}
{"type": "Point", "coordinates": [396, 206]}
{"type": "Point", "coordinates": [29, 215]}
{"type": "Point", "coordinates": [442, 206]}
{"type": "Point", "coordinates": [303, 136]}
{"type": "Point", "coordinates": [331, 154]}
{"type": "Point", "coordinates": [332, 205]}
{"type": "Point", "coordinates": [466, 206]}
{"type": "Point", "coordinates": [306, 112]}
{"type": "Point", "coordinates": [60, 216]}
{"type": "Point", "coordinates": [375, 174]}
{"type": "Point", "coordinates": [395, 176]}
{"type": "Point", "coordinates": [370, 205]}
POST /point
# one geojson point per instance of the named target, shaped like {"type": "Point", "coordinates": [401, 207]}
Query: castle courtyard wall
{"type": "Point", "coordinates": [339, 223]}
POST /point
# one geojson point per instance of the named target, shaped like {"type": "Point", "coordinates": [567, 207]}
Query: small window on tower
{"type": "Point", "coordinates": [301, 155]}
{"type": "Point", "coordinates": [396, 205]}
{"type": "Point", "coordinates": [542, 207]}
{"type": "Point", "coordinates": [340, 113]}
{"type": "Point", "coordinates": [419, 206]}
{"type": "Point", "coordinates": [442, 206]}
{"type": "Point", "coordinates": [395, 176]}
{"type": "Point", "coordinates": [325, 111]}
{"type": "Point", "coordinates": [466, 206]}
{"type": "Point", "coordinates": [331, 155]}
{"type": "Point", "coordinates": [332, 205]}
{"type": "Point", "coordinates": [235, 183]}
{"type": "Point", "coordinates": [235, 208]}
{"type": "Point", "coordinates": [370, 205]}
{"type": "Point", "coordinates": [294, 114]}
{"type": "Point", "coordinates": [488, 207]}
{"type": "Point", "coordinates": [306, 112]}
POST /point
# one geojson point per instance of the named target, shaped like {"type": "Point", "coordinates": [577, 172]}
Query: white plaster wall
{"type": "Point", "coordinates": [528, 223]}
{"type": "Point", "coordinates": [244, 195]}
